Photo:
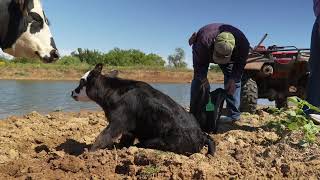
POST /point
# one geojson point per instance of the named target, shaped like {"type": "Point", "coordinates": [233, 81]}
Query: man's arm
{"type": "Point", "coordinates": [237, 70]}
{"type": "Point", "coordinates": [192, 39]}
{"type": "Point", "coordinates": [240, 62]}
{"type": "Point", "coordinates": [236, 74]}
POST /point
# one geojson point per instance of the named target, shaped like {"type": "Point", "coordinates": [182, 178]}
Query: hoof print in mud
{"type": "Point", "coordinates": [40, 148]}
{"type": "Point", "coordinates": [72, 147]}
{"type": "Point", "coordinates": [126, 168]}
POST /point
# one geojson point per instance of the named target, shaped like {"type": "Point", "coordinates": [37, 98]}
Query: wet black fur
{"type": "Point", "coordinates": [209, 121]}
{"type": "Point", "coordinates": [137, 110]}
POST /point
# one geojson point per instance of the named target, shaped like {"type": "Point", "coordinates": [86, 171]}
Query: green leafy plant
{"type": "Point", "coordinates": [302, 103]}
{"type": "Point", "coordinates": [296, 120]}
{"type": "Point", "coordinates": [274, 110]}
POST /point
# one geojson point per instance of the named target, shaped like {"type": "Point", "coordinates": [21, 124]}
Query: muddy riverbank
{"type": "Point", "coordinates": [53, 146]}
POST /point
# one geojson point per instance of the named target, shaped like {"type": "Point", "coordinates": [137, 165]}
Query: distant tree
{"type": "Point", "coordinates": [132, 57]}
{"type": "Point", "coordinates": [214, 68]}
{"type": "Point", "coordinates": [89, 56]}
{"type": "Point", "coordinates": [74, 53]}
{"type": "Point", "coordinates": [118, 57]}
{"type": "Point", "coordinates": [177, 59]}
{"type": "Point", "coordinates": [153, 60]}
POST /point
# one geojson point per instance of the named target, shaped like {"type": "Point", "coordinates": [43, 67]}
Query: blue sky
{"type": "Point", "coordinates": [159, 26]}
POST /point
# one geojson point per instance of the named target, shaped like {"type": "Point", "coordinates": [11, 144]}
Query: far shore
{"type": "Point", "coordinates": [73, 73]}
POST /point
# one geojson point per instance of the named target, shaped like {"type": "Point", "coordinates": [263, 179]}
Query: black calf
{"type": "Point", "coordinates": [136, 110]}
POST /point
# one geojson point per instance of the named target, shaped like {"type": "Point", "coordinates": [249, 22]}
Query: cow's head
{"type": "Point", "coordinates": [34, 38]}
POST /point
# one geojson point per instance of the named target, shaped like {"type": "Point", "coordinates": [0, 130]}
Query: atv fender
{"type": "Point", "coordinates": [254, 66]}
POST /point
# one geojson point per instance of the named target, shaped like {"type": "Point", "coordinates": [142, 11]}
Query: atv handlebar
{"type": "Point", "coordinates": [285, 48]}
{"type": "Point", "coordinates": [275, 48]}
{"type": "Point", "coordinates": [261, 41]}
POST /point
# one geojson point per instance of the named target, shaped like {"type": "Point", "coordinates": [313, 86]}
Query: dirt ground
{"type": "Point", "coordinates": [54, 146]}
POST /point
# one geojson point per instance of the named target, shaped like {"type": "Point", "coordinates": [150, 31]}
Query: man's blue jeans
{"type": "Point", "coordinates": [313, 89]}
{"type": "Point", "coordinates": [233, 101]}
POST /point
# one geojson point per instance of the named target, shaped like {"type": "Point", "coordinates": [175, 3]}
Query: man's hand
{"type": "Point", "coordinates": [192, 39]}
{"type": "Point", "coordinates": [230, 87]}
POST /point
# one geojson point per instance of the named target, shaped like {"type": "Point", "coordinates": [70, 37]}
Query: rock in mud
{"type": "Point", "coordinates": [4, 159]}
{"type": "Point", "coordinates": [197, 156]}
{"type": "Point", "coordinates": [141, 159]}
{"type": "Point", "coordinates": [132, 150]}
{"type": "Point", "coordinates": [13, 154]}
{"type": "Point", "coordinates": [71, 164]}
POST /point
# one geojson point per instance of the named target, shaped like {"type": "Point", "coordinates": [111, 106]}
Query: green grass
{"type": "Point", "coordinates": [150, 170]}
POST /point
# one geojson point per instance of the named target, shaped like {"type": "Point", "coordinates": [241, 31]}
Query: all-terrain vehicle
{"type": "Point", "coordinates": [274, 73]}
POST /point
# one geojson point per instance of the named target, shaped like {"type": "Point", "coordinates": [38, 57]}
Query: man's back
{"type": "Point", "coordinates": [316, 7]}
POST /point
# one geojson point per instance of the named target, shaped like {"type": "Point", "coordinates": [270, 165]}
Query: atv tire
{"type": "Point", "coordinates": [249, 96]}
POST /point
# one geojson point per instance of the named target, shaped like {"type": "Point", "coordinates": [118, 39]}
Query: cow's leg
{"type": "Point", "coordinates": [127, 140]}
{"type": "Point", "coordinates": [155, 143]}
{"type": "Point", "coordinates": [106, 138]}
{"type": "Point", "coordinates": [117, 126]}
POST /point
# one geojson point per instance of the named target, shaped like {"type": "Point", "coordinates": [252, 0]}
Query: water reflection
{"type": "Point", "coordinates": [20, 97]}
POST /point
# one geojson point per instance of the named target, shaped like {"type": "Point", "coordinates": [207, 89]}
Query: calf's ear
{"type": "Point", "coordinates": [98, 68]}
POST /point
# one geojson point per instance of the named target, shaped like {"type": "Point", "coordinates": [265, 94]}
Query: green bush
{"type": "Point", "coordinates": [132, 57]}
{"type": "Point", "coordinates": [153, 60]}
{"type": "Point", "coordinates": [214, 68]}
{"type": "Point", "coordinates": [119, 57]}
{"type": "Point", "coordinates": [69, 60]}
{"type": "Point", "coordinates": [89, 56]}
{"type": "Point", "coordinates": [115, 57]}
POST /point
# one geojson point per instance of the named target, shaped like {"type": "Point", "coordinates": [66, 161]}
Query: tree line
{"type": "Point", "coordinates": [121, 57]}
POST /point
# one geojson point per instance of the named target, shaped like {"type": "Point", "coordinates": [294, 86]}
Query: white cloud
{"type": "Point", "coordinates": [65, 52]}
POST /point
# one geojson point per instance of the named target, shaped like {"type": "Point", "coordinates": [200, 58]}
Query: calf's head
{"type": "Point", "coordinates": [29, 34]}
{"type": "Point", "coordinates": [207, 119]}
{"type": "Point", "coordinates": [91, 81]}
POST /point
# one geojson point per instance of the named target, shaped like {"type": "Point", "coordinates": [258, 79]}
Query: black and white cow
{"type": "Point", "coordinates": [137, 110]}
{"type": "Point", "coordinates": [24, 30]}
